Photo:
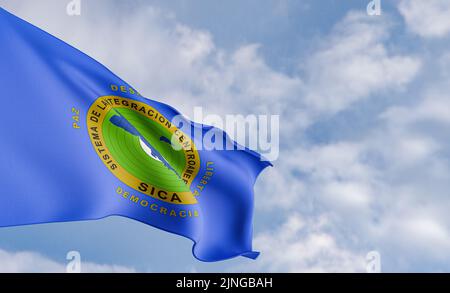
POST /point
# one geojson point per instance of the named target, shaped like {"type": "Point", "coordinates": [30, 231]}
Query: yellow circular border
{"type": "Point", "coordinates": [96, 115]}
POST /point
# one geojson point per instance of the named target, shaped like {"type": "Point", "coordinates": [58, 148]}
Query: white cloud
{"type": "Point", "coordinates": [31, 262]}
{"type": "Point", "coordinates": [355, 64]}
{"type": "Point", "coordinates": [360, 186]}
{"type": "Point", "coordinates": [429, 19]}
{"type": "Point", "coordinates": [386, 189]}
{"type": "Point", "coordinates": [389, 189]}
{"type": "Point", "coordinates": [433, 108]}
{"type": "Point", "coordinates": [302, 246]}
{"type": "Point", "coordinates": [352, 64]}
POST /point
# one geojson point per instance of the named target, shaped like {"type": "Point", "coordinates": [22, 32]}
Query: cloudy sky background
{"type": "Point", "coordinates": [365, 126]}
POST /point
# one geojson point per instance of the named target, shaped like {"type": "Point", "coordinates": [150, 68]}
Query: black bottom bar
{"type": "Point", "coordinates": [226, 282]}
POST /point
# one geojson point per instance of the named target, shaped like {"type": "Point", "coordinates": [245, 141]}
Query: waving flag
{"type": "Point", "coordinates": [79, 143]}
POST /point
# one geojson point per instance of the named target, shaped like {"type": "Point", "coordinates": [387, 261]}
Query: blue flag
{"type": "Point", "coordinates": [78, 143]}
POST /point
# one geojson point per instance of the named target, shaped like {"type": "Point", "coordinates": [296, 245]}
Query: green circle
{"type": "Point", "coordinates": [126, 149]}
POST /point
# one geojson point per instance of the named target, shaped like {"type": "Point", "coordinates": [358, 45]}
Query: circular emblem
{"type": "Point", "coordinates": [143, 149]}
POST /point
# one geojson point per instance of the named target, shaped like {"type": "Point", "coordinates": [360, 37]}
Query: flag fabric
{"type": "Point", "coordinates": [78, 143]}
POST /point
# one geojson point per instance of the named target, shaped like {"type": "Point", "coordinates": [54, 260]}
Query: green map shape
{"type": "Point", "coordinates": [127, 151]}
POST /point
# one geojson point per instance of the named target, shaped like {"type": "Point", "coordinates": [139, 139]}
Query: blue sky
{"type": "Point", "coordinates": [365, 120]}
